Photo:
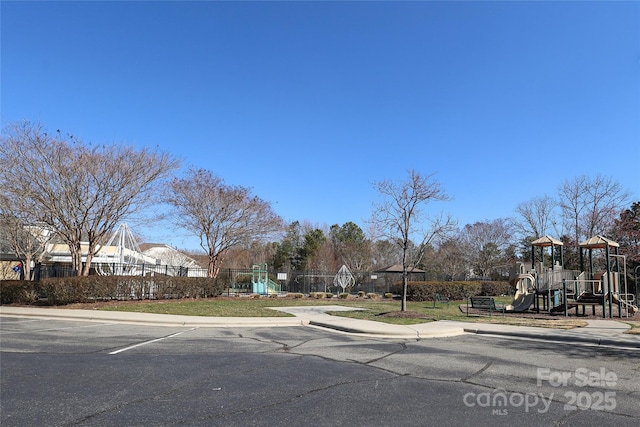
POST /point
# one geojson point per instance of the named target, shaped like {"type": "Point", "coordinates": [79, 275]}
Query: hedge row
{"type": "Point", "coordinates": [67, 290]}
{"type": "Point", "coordinates": [425, 291]}
{"type": "Point", "coordinates": [20, 291]}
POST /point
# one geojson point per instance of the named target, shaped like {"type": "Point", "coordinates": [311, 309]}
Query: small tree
{"type": "Point", "coordinates": [220, 215]}
{"type": "Point", "coordinates": [26, 242]}
{"type": "Point", "coordinates": [399, 217]}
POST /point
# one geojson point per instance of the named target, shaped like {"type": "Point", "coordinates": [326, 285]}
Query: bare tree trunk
{"type": "Point", "coordinates": [405, 289]}
{"type": "Point", "coordinates": [76, 258]}
{"type": "Point", "coordinates": [213, 269]}
{"type": "Point", "coordinates": [87, 265]}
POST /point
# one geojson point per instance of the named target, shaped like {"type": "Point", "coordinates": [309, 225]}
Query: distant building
{"type": "Point", "coordinates": [167, 255]}
{"type": "Point", "coordinates": [121, 255]}
{"type": "Point", "coordinates": [8, 263]}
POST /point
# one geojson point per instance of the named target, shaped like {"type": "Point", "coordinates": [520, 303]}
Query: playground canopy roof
{"type": "Point", "coordinates": [547, 241]}
{"type": "Point", "coordinates": [397, 268]}
{"type": "Point", "coordinates": [598, 242]}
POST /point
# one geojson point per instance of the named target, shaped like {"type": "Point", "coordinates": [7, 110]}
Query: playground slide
{"type": "Point", "coordinates": [522, 302]}
{"type": "Point", "coordinates": [632, 309]}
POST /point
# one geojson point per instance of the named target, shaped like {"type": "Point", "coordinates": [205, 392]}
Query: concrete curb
{"type": "Point", "coordinates": [371, 332]}
{"type": "Point", "coordinates": [598, 334]}
{"type": "Point", "coordinates": [554, 336]}
{"type": "Point", "coordinates": [149, 319]}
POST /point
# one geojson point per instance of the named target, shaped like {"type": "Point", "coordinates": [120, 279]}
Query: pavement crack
{"type": "Point", "coordinates": [286, 401]}
{"type": "Point", "coordinates": [403, 348]}
{"type": "Point", "coordinates": [481, 370]}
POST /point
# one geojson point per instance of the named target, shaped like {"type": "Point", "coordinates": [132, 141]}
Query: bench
{"type": "Point", "coordinates": [485, 303]}
{"type": "Point", "coordinates": [439, 298]}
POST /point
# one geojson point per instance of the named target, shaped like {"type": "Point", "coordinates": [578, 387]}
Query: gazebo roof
{"type": "Point", "coordinates": [598, 242]}
{"type": "Point", "coordinates": [397, 268]}
{"type": "Point", "coordinates": [547, 241]}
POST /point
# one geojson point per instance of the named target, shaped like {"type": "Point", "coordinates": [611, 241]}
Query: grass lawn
{"type": "Point", "coordinates": [421, 312]}
{"type": "Point", "coordinates": [635, 328]}
{"type": "Point", "coordinates": [380, 310]}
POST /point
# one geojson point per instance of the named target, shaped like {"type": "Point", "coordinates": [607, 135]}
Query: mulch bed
{"type": "Point", "coordinates": [545, 315]}
{"type": "Point", "coordinates": [405, 315]}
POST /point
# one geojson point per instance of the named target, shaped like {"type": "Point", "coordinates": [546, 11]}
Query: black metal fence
{"type": "Point", "coordinates": [43, 271]}
{"type": "Point", "coordinates": [240, 280]}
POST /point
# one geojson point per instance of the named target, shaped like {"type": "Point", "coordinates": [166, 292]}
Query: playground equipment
{"type": "Point", "coordinates": [607, 287]}
{"type": "Point", "coordinates": [260, 281]}
{"type": "Point", "coordinates": [555, 289]}
{"type": "Point", "coordinates": [525, 291]}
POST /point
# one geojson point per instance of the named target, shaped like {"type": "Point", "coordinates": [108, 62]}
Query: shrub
{"type": "Point", "coordinates": [372, 295]}
{"type": "Point", "coordinates": [18, 291]}
{"type": "Point", "coordinates": [361, 294]}
{"type": "Point", "coordinates": [388, 295]}
{"type": "Point", "coordinates": [66, 290]}
{"type": "Point", "coordinates": [328, 295]}
{"type": "Point", "coordinates": [425, 291]}
{"type": "Point", "coordinates": [296, 295]}
{"type": "Point", "coordinates": [317, 295]}
{"type": "Point", "coordinates": [495, 288]}
{"type": "Point", "coordinates": [185, 287]}
{"type": "Point", "coordinates": [344, 295]}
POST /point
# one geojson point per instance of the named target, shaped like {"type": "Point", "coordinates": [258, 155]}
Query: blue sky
{"type": "Point", "coordinates": [308, 103]}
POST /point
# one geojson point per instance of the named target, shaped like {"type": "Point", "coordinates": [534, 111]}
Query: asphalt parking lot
{"type": "Point", "coordinates": [68, 373]}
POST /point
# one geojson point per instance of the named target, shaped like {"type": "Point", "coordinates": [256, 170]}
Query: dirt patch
{"type": "Point", "coordinates": [404, 315]}
{"type": "Point", "coordinates": [544, 315]}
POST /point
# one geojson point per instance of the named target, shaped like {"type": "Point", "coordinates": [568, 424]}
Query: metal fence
{"type": "Point", "coordinates": [240, 280]}
{"type": "Point", "coordinates": [43, 271]}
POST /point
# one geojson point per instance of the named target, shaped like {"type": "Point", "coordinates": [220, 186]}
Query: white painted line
{"type": "Point", "coordinates": [150, 342]}
{"type": "Point", "coordinates": [54, 329]}
{"type": "Point", "coordinates": [22, 321]}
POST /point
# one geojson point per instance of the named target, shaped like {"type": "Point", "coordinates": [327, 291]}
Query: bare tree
{"type": "Point", "coordinates": [399, 218]}
{"type": "Point", "coordinates": [384, 253]}
{"type": "Point", "coordinates": [451, 259]}
{"type": "Point", "coordinates": [486, 243]}
{"type": "Point", "coordinates": [590, 205]}
{"type": "Point", "coordinates": [27, 243]}
{"type": "Point", "coordinates": [535, 216]}
{"type": "Point", "coordinates": [220, 215]}
{"type": "Point", "coordinates": [79, 191]}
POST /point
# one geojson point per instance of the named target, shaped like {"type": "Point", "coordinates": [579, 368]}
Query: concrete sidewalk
{"type": "Point", "coordinates": [598, 332]}
{"type": "Point", "coordinates": [102, 316]}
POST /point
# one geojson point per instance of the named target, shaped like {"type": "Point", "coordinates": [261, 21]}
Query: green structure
{"type": "Point", "coordinates": [260, 281]}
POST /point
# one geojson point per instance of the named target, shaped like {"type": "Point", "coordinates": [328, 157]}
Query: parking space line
{"type": "Point", "coordinates": [150, 341]}
{"type": "Point", "coordinates": [22, 321]}
{"type": "Point", "coordinates": [54, 329]}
